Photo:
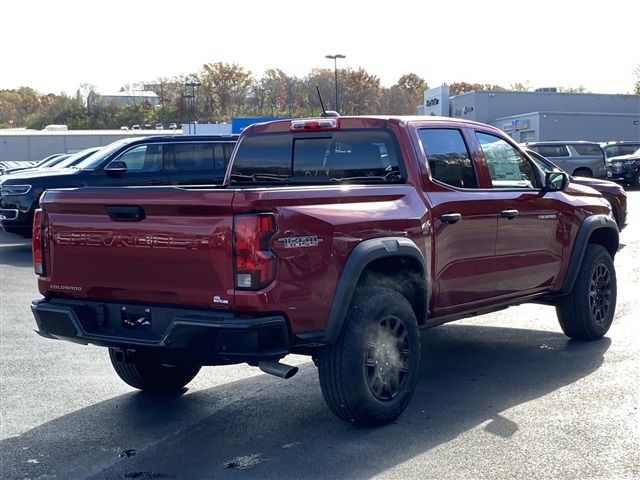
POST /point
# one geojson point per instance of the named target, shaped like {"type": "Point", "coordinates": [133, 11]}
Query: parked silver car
{"type": "Point", "coordinates": [577, 158]}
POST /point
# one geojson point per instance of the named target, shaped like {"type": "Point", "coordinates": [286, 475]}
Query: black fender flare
{"type": "Point", "coordinates": [587, 228]}
{"type": "Point", "coordinates": [362, 255]}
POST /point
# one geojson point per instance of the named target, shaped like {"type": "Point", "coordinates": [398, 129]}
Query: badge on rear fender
{"type": "Point", "coordinates": [301, 242]}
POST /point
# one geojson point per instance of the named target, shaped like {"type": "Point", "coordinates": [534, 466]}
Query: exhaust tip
{"type": "Point", "coordinates": [278, 369]}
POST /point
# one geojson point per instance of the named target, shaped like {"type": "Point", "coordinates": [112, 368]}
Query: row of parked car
{"type": "Point", "coordinates": [202, 160]}
{"type": "Point", "coordinates": [618, 161]}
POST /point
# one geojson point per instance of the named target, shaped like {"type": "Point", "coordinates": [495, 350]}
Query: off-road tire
{"type": "Point", "coordinates": [380, 332]}
{"type": "Point", "coordinates": [587, 312]}
{"type": "Point", "coordinates": [153, 377]}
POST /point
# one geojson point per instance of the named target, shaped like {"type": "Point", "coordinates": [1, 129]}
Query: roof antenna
{"type": "Point", "coordinates": [325, 113]}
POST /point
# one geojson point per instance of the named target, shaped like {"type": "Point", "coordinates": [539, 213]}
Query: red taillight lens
{"type": "Point", "coordinates": [255, 263]}
{"type": "Point", "coordinates": [37, 240]}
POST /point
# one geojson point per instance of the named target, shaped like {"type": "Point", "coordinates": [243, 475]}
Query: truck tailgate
{"type": "Point", "coordinates": [151, 245]}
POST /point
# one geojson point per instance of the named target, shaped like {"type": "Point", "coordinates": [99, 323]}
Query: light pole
{"type": "Point", "coordinates": [335, 70]}
{"type": "Point", "coordinates": [194, 109]}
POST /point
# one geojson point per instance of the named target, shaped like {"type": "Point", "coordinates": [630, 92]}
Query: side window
{"type": "Point", "coordinates": [143, 158]}
{"type": "Point", "coordinates": [507, 167]}
{"type": "Point", "coordinates": [552, 150]}
{"type": "Point", "coordinates": [448, 157]}
{"type": "Point", "coordinates": [587, 149]}
{"type": "Point", "coordinates": [193, 156]}
{"type": "Point", "coordinates": [221, 155]}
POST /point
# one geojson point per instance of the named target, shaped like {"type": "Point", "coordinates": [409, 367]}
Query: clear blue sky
{"type": "Point", "coordinates": [55, 46]}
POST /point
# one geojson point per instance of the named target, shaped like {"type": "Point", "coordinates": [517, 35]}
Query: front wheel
{"type": "Point", "coordinates": [152, 377]}
{"type": "Point", "coordinates": [368, 376]}
{"type": "Point", "coordinates": [587, 312]}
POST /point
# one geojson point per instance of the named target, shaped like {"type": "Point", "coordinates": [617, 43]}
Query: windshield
{"type": "Point", "coordinates": [75, 158]}
{"type": "Point", "coordinates": [53, 161]}
{"type": "Point", "coordinates": [96, 159]}
{"type": "Point", "coordinates": [542, 162]}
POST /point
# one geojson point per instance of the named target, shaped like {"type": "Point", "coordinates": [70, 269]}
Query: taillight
{"type": "Point", "coordinates": [37, 242]}
{"type": "Point", "coordinates": [255, 263]}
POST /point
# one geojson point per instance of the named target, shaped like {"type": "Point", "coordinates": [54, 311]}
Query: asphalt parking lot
{"type": "Point", "coordinates": [500, 396]}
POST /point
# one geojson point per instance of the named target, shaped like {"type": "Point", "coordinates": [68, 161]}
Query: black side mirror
{"type": "Point", "coordinates": [116, 168]}
{"type": "Point", "coordinates": [555, 181]}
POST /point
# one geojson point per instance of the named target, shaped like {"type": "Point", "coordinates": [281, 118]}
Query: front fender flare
{"type": "Point", "coordinates": [589, 225]}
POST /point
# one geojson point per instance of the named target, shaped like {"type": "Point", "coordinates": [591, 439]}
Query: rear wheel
{"type": "Point", "coordinates": [582, 172]}
{"type": "Point", "coordinates": [152, 377]}
{"type": "Point", "coordinates": [587, 312]}
{"type": "Point", "coordinates": [368, 376]}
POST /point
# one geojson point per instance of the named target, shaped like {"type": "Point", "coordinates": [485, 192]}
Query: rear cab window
{"type": "Point", "coordinates": [340, 156]}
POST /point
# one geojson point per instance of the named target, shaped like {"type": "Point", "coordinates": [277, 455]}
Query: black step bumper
{"type": "Point", "coordinates": [178, 335]}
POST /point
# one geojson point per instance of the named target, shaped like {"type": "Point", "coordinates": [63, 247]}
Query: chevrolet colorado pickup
{"type": "Point", "coordinates": [337, 238]}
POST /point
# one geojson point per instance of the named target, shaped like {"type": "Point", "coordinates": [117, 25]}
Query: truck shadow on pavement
{"type": "Point", "coordinates": [282, 429]}
{"type": "Point", "coordinates": [17, 253]}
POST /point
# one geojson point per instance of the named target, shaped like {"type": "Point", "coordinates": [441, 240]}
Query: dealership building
{"type": "Point", "coordinates": [545, 114]}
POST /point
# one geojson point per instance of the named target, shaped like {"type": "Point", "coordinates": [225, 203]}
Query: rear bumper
{"type": "Point", "coordinates": [178, 335]}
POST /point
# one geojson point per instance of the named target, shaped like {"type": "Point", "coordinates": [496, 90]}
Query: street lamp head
{"type": "Point", "coordinates": [336, 56]}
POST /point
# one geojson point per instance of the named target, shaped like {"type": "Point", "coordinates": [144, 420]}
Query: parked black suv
{"type": "Point", "coordinates": [162, 160]}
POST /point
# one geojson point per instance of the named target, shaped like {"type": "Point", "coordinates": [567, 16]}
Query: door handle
{"type": "Point", "coordinates": [125, 213]}
{"type": "Point", "coordinates": [450, 217]}
{"type": "Point", "coordinates": [510, 214]}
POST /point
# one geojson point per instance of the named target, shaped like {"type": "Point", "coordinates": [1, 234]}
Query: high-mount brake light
{"type": "Point", "coordinates": [313, 125]}
{"type": "Point", "coordinates": [37, 242]}
{"type": "Point", "coordinates": [255, 263]}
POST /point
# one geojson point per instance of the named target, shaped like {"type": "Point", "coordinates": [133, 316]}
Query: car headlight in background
{"type": "Point", "coordinates": [14, 189]}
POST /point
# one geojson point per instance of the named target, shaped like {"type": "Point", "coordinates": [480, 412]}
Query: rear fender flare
{"type": "Point", "coordinates": [360, 257]}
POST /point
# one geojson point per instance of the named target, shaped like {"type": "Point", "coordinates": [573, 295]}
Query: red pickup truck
{"type": "Point", "coordinates": [334, 237]}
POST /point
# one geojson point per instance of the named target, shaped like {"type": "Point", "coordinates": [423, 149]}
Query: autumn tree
{"type": "Point", "coordinates": [404, 96]}
{"type": "Point", "coordinates": [226, 87]}
{"type": "Point", "coordinates": [360, 92]}
{"type": "Point", "coordinates": [323, 79]}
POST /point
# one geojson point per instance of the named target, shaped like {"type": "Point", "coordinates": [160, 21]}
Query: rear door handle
{"type": "Point", "coordinates": [510, 214]}
{"type": "Point", "coordinates": [450, 217]}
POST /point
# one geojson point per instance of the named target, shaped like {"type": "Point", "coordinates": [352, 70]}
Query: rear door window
{"type": "Point", "coordinates": [143, 158]}
{"type": "Point", "coordinates": [588, 149]}
{"type": "Point", "coordinates": [448, 157]}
